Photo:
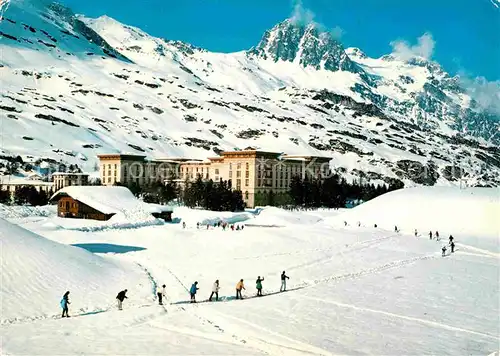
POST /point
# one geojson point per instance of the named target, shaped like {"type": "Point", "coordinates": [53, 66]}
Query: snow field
{"type": "Point", "coordinates": [352, 290]}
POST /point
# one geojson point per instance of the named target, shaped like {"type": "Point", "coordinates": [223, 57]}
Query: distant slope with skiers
{"type": "Point", "coordinates": [470, 213]}
{"type": "Point", "coordinates": [36, 272]}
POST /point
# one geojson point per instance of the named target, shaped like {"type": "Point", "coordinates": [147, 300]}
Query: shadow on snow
{"type": "Point", "coordinates": [233, 298]}
{"type": "Point", "coordinates": [108, 248]}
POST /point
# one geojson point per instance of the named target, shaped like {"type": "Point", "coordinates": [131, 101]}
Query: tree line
{"type": "Point", "coordinates": [25, 195]}
{"type": "Point", "coordinates": [209, 195]}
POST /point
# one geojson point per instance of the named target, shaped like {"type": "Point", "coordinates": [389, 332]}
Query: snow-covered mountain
{"type": "Point", "coordinates": [73, 87]}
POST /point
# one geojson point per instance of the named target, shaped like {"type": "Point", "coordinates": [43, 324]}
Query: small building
{"type": "Point", "coordinates": [11, 185]}
{"type": "Point", "coordinates": [104, 202]}
{"type": "Point", "coordinates": [63, 179]}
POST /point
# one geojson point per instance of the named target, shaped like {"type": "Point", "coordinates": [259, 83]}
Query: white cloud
{"type": "Point", "coordinates": [301, 14]}
{"type": "Point", "coordinates": [485, 93]}
{"type": "Point", "coordinates": [424, 48]}
{"type": "Point", "coordinates": [305, 16]}
{"type": "Point", "coordinates": [337, 32]}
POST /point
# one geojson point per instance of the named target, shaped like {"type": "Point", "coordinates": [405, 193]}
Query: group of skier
{"type": "Point", "coordinates": [221, 224]}
{"type": "Point", "coordinates": [239, 287]}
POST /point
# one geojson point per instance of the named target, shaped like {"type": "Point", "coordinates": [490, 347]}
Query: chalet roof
{"type": "Point", "coordinates": [110, 199]}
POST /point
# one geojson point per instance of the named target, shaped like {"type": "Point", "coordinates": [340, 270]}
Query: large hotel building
{"type": "Point", "coordinates": [255, 173]}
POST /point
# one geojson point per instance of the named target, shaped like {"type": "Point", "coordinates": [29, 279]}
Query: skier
{"type": "Point", "coordinates": [239, 287]}
{"type": "Point", "coordinates": [375, 226]}
{"type": "Point", "coordinates": [396, 228]}
{"type": "Point", "coordinates": [437, 235]}
{"type": "Point", "coordinates": [192, 291]}
{"type": "Point", "coordinates": [451, 239]}
{"type": "Point", "coordinates": [452, 245]}
{"type": "Point", "coordinates": [259, 286]}
{"type": "Point", "coordinates": [237, 227]}
{"type": "Point", "coordinates": [120, 297]}
{"type": "Point", "coordinates": [183, 224]}
{"type": "Point", "coordinates": [161, 293]}
{"type": "Point", "coordinates": [208, 225]}
{"type": "Point", "coordinates": [284, 277]}
{"type": "Point", "coordinates": [215, 290]}
{"type": "Point", "coordinates": [443, 250]}
{"type": "Point", "coordinates": [197, 225]}
{"type": "Point", "coordinates": [430, 235]}
{"type": "Point", "coordinates": [232, 227]}
{"type": "Point", "coordinates": [416, 233]}
{"type": "Point", "coordinates": [359, 224]}
{"type": "Point", "coordinates": [345, 223]}
{"type": "Point", "coordinates": [64, 304]}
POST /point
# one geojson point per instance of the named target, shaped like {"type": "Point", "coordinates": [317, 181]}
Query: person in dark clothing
{"type": "Point", "coordinates": [161, 293]}
{"type": "Point", "coordinates": [64, 304]}
{"type": "Point", "coordinates": [284, 277]}
{"type": "Point", "coordinates": [443, 251]}
{"type": "Point", "coordinates": [430, 235]}
{"type": "Point", "coordinates": [452, 245]}
{"type": "Point", "coordinates": [451, 239]}
{"type": "Point", "coordinates": [120, 297]}
{"type": "Point", "coordinates": [396, 229]}
{"type": "Point", "coordinates": [259, 286]}
{"type": "Point", "coordinates": [437, 235]}
{"type": "Point", "coordinates": [193, 290]}
{"type": "Point", "coordinates": [375, 225]}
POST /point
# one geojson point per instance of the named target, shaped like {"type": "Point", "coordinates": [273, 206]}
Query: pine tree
{"type": "Point", "coordinates": [5, 196]}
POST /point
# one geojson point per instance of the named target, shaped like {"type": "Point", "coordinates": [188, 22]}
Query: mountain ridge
{"type": "Point", "coordinates": [122, 89]}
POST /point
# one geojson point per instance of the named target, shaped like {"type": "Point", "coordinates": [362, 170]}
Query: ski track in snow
{"type": "Point", "coordinates": [349, 248]}
{"type": "Point", "coordinates": [409, 318]}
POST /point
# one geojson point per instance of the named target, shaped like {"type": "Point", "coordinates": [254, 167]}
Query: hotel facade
{"type": "Point", "coordinates": [255, 173]}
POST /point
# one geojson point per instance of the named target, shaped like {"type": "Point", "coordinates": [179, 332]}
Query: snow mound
{"type": "Point", "coordinates": [113, 200]}
{"type": "Point", "coordinates": [36, 272]}
{"type": "Point", "coordinates": [204, 217]}
{"type": "Point", "coordinates": [21, 211]}
{"type": "Point", "coordinates": [449, 210]}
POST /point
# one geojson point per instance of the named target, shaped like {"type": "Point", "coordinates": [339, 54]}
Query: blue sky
{"type": "Point", "coordinates": [462, 35]}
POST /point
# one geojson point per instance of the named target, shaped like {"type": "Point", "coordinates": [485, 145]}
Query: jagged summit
{"type": "Point", "coordinates": [306, 44]}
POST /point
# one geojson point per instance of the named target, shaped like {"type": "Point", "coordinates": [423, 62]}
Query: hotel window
{"type": "Point", "coordinates": [247, 174]}
{"type": "Point", "coordinates": [238, 184]}
{"type": "Point", "coordinates": [247, 166]}
{"type": "Point", "coordinates": [238, 166]}
{"type": "Point", "coordinates": [238, 174]}
{"type": "Point", "coordinates": [109, 179]}
{"type": "Point", "coordinates": [247, 182]}
{"type": "Point", "coordinates": [246, 195]}
{"type": "Point", "coordinates": [230, 174]}
{"type": "Point", "coordinates": [216, 170]}
{"type": "Point", "coordinates": [230, 166]}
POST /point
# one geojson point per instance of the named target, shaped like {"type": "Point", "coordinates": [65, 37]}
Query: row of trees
{"type": "Point", "coordinates": [332, 192]}
{"type": "Point", "coordinates": [212, 196]}
{"type": "Point", "coordinates": [26, 195]}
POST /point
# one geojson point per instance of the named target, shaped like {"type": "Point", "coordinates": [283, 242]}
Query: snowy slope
{"type": "Point", "coordinates": [74, 87]}
{"type": "Point", "coordinates": [352, 290]}
{"type": "Point", "coordinates": [463, 212]}
{"type": "Point", "coordinates": [36, 272]}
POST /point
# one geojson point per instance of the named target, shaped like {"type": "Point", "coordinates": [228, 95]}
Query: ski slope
{"type": "Point", "coordinates": [352, 289]}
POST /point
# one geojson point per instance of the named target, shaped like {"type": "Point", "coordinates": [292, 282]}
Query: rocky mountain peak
{"type": "Point", "coordinates": [306, 44]}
